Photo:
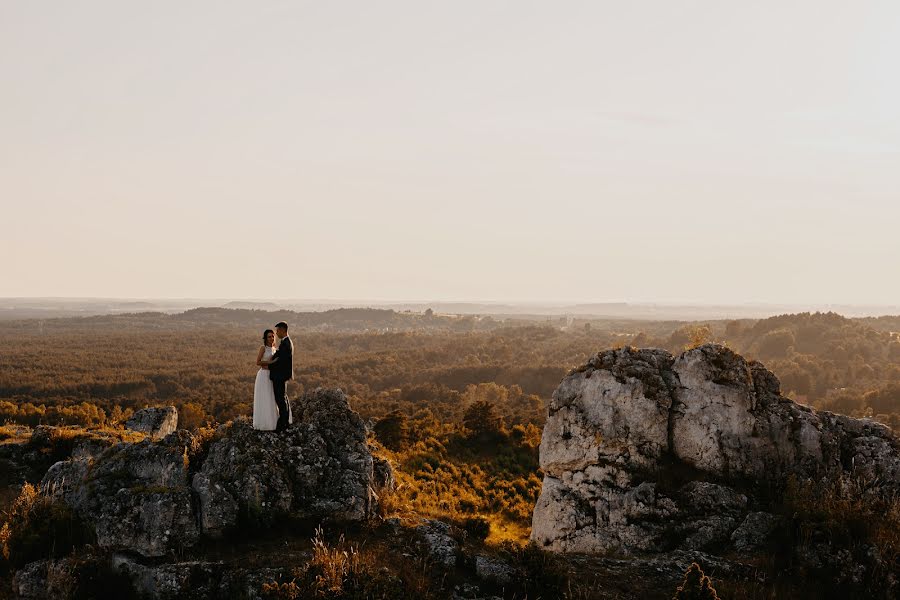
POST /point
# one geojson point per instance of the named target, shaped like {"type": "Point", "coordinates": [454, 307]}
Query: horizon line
{"type": "Point", "coordinates": [548, 302]}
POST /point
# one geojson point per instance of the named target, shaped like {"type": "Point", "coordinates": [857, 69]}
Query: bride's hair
{"type": "Point", "coordinates": [266, 334]}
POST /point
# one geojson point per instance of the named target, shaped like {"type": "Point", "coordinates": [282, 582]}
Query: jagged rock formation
{"type": "Point", "coordinates": [153, 498]}
{"type": "Point", "coordinates": [156, 422]}
{"type": "Point", "coordinates": [321, 467]}
{"type": "Point", "coordinates": [645, 451]}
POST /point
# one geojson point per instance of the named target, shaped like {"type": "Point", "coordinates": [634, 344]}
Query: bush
{"type": "Point", "coordinates": [478, 527]}
{"type": "Point", "coordinates": [36, 528]}
{"type": "Point", "coordinates": [482, 418]}
{"type": "Point", "coordinates": [392, 430]}
{"type": "Point", "coordinates": [343, 571]}
{"type": "Point", "coordinates": [696, 586]}
{"type": "Point", "coordinates": [544, 574]}
{"type": "Point", "coordinates": [848, 518]}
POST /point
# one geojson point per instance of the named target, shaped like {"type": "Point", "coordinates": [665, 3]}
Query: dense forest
{"type": "Point", "coordinates": [91, 371]}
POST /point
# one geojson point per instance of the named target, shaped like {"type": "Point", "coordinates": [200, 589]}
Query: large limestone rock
{"type": "Point", "coordinates": [319, 468]}
{"type": "Point", "coordinates": [645, 451]}
{"type": "Point", "coordinates": [154, 498]}
{"type": "Point", "coordinates": [136, 496]}
{"type": "Point", "coordinates": [157, 422]}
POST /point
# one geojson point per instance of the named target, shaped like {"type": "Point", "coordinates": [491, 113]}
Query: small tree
{"type": "Point", "coordinates": [482, 418]}
{"type": "Point", "coordinates": [697, 336]}
{"type": "Point", "coordinates": [392, 430]}
{"type": "Point", "coordinates": [696, 586]}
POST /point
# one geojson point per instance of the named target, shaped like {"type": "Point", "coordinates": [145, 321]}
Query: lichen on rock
{"type": "Point", "coordinates": [156, 422]}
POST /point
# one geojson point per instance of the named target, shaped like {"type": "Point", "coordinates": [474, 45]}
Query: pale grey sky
{"type": "Point", "coordinates": [706, 151]}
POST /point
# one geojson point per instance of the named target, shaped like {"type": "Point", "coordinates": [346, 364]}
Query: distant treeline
{"type": "Point", "coordinates": [92, 370]}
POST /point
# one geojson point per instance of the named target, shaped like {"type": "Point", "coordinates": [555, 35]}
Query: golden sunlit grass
{"type": "Point", "coordinates": [10, 433]}
{"type": "Point", "coordinates": [449, 473]}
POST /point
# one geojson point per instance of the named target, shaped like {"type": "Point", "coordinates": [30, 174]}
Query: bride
{"type": "Point", "coordinates": [265, 411]}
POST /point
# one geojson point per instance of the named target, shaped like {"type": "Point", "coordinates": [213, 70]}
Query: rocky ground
{"type": "Point", "coordinates": [651, 462]}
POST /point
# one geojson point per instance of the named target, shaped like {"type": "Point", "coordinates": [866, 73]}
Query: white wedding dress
{"type": "Point", "coordinates": [265, 411]}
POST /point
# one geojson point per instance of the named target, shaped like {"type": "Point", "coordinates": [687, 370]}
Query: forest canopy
{"type": "Point", "coordinates": [90, 371]}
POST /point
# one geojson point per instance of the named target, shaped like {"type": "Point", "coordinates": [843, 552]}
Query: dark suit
{"type": "Point", "coordinates": [280, 372]}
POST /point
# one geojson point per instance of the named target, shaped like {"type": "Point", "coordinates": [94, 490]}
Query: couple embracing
{"type": "Point", "coordinates": [271, 408]}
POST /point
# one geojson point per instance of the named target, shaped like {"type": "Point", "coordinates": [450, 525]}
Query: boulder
{"type": "Point", "coordinates": [46, 579]}
{"type": "Point", "coordinates": [31, 580]}
{"type": "Point", "coordinates": [384, 475]}
{"type": "Point", "coordinates": [646, 451]}
{"type": "Point", "coordinates": [153, 498]}
{"type": "Point", "coordinates": [156, 422]}
{"type": "Point", "coordinates": [64, 477]}
{"type": "Point", "coordinates": [756, 531]}
{"type": "Point", "coordinates": [439, 542]}
{"type": "Point", "coordinates": [321, 467]}
{"type": "Point", "coordinates": [496, 570]}
{"type": "Point", "coordinates": [136, 496]}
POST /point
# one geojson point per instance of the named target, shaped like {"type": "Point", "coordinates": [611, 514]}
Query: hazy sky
{"type": "Point", "coordinates": [707, 151]}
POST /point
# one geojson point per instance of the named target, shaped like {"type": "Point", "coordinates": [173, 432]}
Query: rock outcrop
{"type": "Point", "coordinates": [645, 451]}
{"type": "Point", "coordinates": [152, 498]}
{"type": "Point", "coordinates": [156, 422]}
{"type": "Point", "coordinates": [319, 468]}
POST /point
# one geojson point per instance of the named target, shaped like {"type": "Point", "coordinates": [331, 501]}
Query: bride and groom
{"type": "Point", "coordinates": [271, 408]}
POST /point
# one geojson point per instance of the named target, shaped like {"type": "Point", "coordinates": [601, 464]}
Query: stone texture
{"type": "Point", "coordinates": [45, 579]}
{"type": "Point", "coordinates": [319, 468]}
{"type": "Point", "coordinates": [491, 568]}
{"type": "Point", "coordinates": [645, 451]}
{"type": "Point", "coordinates": [136, 496]}
{"type": "Point", "coordinates": [384, 474]}
{"type": "Point", "coordinates": [439, 542]}
{"type": "Point", "coordinates": [755, 532]}
{"type": "Point", "coordinates": [468, 591]}
{"type": "Point", "coordinates": [156, 422]}
{"type": "Point", "coordinates": [64, 477]}
{"type": "Point", "coordinates": [153, 498]}
{"type": "Point", "coordinates": [31, 580]}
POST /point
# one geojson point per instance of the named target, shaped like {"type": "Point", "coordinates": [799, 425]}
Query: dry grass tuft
{"type": "Point", "coordinates": [347, 571]}
{"type": "Point", "coordinates": [35, 527]}
{"type": "Point", "coordinates": [851, 514]}
{"type": "Point", "coordinates": [333, 564]}
{"type": "Point", "coordinates": [696, 586]}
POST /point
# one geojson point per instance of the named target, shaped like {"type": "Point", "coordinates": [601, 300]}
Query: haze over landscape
{"type": "Point", "coordinates": [647, 152]}
{"type": "Point", "coordinates": [583, 300]}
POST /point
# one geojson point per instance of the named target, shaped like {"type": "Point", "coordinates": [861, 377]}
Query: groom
{"type": "Point", "coordinates": [281, 371]}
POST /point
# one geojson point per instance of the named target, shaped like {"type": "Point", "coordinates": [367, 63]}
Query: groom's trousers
{"type": "Point", "coordinates": [279, 386]}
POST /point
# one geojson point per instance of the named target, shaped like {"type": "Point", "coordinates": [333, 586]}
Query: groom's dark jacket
{"type": "Point", "coordinates": [283, 369]}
